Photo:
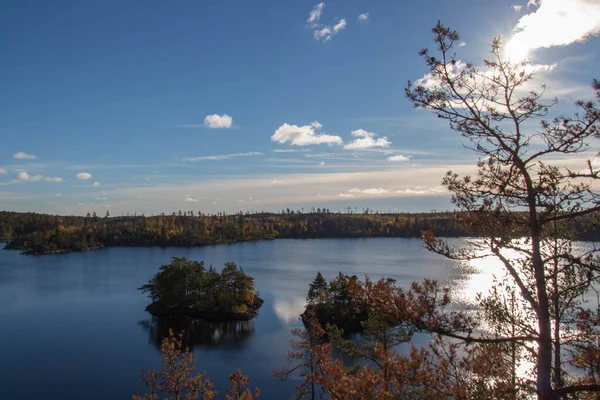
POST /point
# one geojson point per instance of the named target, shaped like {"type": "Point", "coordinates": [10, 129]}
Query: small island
{"type": "Point", "coordinates": [333, 303]}
{"type": "Point", "coordinates": [37, 247]}
{"type": "Point", "coordinates": [187, 288]}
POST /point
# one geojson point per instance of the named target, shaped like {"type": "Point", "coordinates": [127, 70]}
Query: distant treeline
{"type": "Point", "coordinates": [44, 233]}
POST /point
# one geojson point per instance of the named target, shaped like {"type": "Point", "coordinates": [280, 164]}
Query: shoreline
{"type": "Point", "coordinates": [158, 310]}
{"type": "Point", "coordinates": [32, 252]}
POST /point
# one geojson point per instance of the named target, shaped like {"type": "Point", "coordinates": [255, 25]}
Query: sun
{"type": "Point", "coordinates": [516, 50]}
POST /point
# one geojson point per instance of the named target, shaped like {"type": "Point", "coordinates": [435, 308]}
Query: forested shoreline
{"type": "Point", "coordinates": [43, 233]}
{"type": "Point", "coordinates": [36, 233]}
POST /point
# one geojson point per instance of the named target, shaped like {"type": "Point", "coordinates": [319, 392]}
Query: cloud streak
{"type": "Point", "coordinates": [371, 191]}
{"type": "Point", "coordinates": [222, 157]}
{"type": "Point", "coordinates": [23, 156]}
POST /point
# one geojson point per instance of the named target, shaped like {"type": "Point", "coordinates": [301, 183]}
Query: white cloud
{"type": "Point", "coordinates": [202, 158]}
{"type": "Point", "coordinates": [366, 140]}
{"type": "Point", "coordinates": [2, 171]}
{"type": "Point", "coordinates": [53, 179]}
{"type": "Point", "coordinates": [517, 7]}
{"type": "Point", "coordinates": [218, 121]}
{"type": "Point", "coordinates": [429, 81]}
{"type": "Point", "coordinates": [25, 177]}
{"type": "Point", "coordinates": [364, 18]}
{"type": "Point", "coordinates": [23, 156]}
{"type": "Point", "coordinates": [82, 176]}
{"type": "Point", "coordinates": [398, 157]}
{"type": "Point", "coordinates": [322, 164]}
{"type": "Point", "coordinates": [340, 25]}
{"type": "Point", "coordinates": [289, 151]}
{"type": "Point", "coordinates": [222, 157]}
{"type": "Point", "coordinates": [369, 191]}
{"type": "Point", "coordinates": [96, 184]}
{"type": "Point", "coordinates": [191, 199]}
{"type": "Point", "coordinates": [322, 31]}
{"type": "Point", "coordinates": [346, 195]}
{"type": "Point", "coordinates": [304, 135]}
{"type": "Point", "coordinates": [554, 23]}
{"type": "Point", "coordinates": [315, 13]}
{"type": "Point", "coordinates": [411, 191]}
{"type": "Point", "coordinates": [533, 3]}
{"type": "Point", "coordinates": [462, 44]}
{"type": "Point", "coordinates": [101, 198]}
{"type": "Point", "coordinates": [419, 190]}
{"type": "Point", "coordinates": [362, 133]}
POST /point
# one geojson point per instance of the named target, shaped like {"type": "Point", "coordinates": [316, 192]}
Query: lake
{"type": "Point", "coordinates": [74, 326]}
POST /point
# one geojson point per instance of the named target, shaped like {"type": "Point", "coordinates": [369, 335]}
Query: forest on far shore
{"type": "Point", "coordinates": [44, 233]}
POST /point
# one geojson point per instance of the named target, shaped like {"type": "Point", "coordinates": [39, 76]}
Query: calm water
{"type": "Point", "coordinates": [74, 326]}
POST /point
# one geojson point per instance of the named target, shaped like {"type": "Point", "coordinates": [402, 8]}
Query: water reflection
{"type": "Point", "coordinates": [199, 333]}
{"type": "Point", "coordinates": [289, 310]}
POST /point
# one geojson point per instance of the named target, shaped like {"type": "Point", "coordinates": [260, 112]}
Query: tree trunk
{"type": "Point", "coordinates": [544, 358]}
{"type": "Point", "coordinates": [544, 362]}
{"type": "Point", "coordinates": [557, 357]}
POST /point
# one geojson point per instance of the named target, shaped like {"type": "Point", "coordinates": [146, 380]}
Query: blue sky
{"type": "Point", "coordinates": [154, 106]}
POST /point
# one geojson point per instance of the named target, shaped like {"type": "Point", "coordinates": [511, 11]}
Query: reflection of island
{"type": "Point", "coordinates": [187, 288]}
{"type": "Point", "coordinates": [200, 333]}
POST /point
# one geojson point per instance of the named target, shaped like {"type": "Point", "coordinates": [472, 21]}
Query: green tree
{"type": "Point", "coordinates": [176, 281]}
{"type": "Point", "coordinates": [318, 290]}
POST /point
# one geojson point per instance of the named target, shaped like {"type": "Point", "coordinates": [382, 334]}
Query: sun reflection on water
{"type": "Point", "coordinates": [477, 278]}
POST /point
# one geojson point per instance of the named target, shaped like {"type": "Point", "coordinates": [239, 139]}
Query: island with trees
{"type": "Point", "coordinates": [187, 288]}
{"type": "Point", "coordinates": [332, 303]}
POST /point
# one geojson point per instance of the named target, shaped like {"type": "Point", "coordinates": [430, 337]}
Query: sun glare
{"type": "Point", "coordinates": [516, 51]}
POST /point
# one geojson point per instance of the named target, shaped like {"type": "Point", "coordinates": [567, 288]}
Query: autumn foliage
{"type": "Point", "coordinates": [177, 381]}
